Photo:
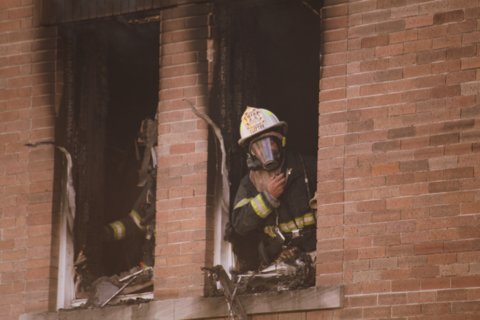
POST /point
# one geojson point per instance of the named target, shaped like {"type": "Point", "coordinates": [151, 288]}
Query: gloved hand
{"type": "Point", "coordinates": [276, 185]}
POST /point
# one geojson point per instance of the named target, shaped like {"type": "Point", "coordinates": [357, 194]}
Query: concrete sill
{"type": "Point", "coordinates": [316, 298]}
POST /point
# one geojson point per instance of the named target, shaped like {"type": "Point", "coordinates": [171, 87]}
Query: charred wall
{"type": "Point", "coordinates": [113, 87]}
{"type": "Point", "coordinates": [267, 55]}
{"type": "Point", "coordinates": [62, 11]}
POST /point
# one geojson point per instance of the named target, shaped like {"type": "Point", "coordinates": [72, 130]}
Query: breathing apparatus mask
{"type": "Point", "coordinates": [266, 152]}
{"type": "Point", "coordinates": [263, 137]}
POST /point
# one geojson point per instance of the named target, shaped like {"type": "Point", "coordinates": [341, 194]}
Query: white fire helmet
{"type": "Point", "coordinates": [256, 121]}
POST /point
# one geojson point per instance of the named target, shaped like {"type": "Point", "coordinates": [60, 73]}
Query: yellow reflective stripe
{"type": "Point", "coordinates": [136, 218]}
{"type": "Point", "coordinates": [284, 227]}
{"type": "Point", "coordinates": [306, 220]}
{"type": "Point", "coordinates": [259, 206]}
{"type": "Point", "coordinates": [118, 230]}
{"type": "Point", "coordinates": [299, 222]}
{"type": "Point", "coordinates": [242, 202]}
{"type": "Point", "coordinates": [269, 231]}
{"type": "Point", "coordinates": [292, 225]}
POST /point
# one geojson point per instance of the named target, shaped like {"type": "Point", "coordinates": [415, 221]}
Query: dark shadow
{"type": "Point", "coordinates": [267, 55]}
{"type": "Point", "coordinates": [111, 72]}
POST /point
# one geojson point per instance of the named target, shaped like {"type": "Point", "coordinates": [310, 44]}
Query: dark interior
{"type": "Point", "coordinates": [287, 53]}
{"type": "Point", "coordinates": [111, 85]}
{"type": "Point", "coordinates": [133, 96]}
{"type": "Point", "coordinates": [267, 56]}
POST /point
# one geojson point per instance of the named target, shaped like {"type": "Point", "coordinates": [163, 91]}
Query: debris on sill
{"type": "Point", "coordinates": [292, 270]}
{"type": "Point", "coordinates": [106, 288]}
{"type": "Point", "coordinates": [132, 286]}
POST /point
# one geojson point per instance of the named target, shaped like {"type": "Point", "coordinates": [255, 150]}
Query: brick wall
{"type": "Point", "coordinates": [27, 56]}
{"type": "Point", "coordinates": [399, 209]}
{"type": "Point", "coordinates": [182, 229]}
{"type": "Point", "coordinates": [398, 159]}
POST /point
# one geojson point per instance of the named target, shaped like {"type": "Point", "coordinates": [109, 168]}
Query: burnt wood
{"type": "Point", "coordinates": [62, 11]}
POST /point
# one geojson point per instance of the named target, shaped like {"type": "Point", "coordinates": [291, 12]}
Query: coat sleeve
{"type": "Point", "coordinates": [251, 208]}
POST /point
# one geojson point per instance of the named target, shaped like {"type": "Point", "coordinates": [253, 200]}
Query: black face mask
{"type": "Point", "coordinates": [265, 153]}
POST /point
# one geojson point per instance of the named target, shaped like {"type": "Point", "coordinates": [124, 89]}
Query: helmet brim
{"type": "Point", "coordinates": [281, 124]}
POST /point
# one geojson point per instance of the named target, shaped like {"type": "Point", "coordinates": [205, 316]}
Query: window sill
{"type": "Point", "coordinates": [316, 298]}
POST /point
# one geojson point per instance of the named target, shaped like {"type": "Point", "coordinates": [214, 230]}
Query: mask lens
{"type": "Point", "coordinates": [267, 150]}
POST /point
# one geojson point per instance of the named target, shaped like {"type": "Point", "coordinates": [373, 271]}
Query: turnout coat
{"type": "Point", "coordinates": [262, 226]}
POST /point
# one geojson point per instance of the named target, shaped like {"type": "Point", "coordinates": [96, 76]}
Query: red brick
{"type": "Point", "coordinates": [419, 272]}
{"type": "Point", "coordinates": [335, 59]}
{"type": "Point", "coordinates": [451, 295]}
{"type": "Point", "coordinates": [421, 297]}
{"type": "Point", "coordinates": [359, 242]}
{"type": "Point", "coordinates": [386, 240]}
{"type": "Point", "coordinates": [470, 112]}
{"type": "Point", "coordinates": [470, 63]}
{"type": "Point", "coordinates": [375, 312]}
{"type": "Point", "coordinates": [335, 47]}
{"type": "Point", "coordinates": [446, 186]}
{"type": "Point", "coordinates": [360, 301]}
{"type": "Point", "coordinates": [418, 21]}
{"type": "Point", "coordinates": [390, 50]}
{"type": "Point", "coordinates": [390, 26]}
{"type": "Point", "coordinates": [448, 41]}
{"type": "Point", "coordinates": [462, 27]}
{"type": "Point", "coordinates": [415, 165]}
{"type": "Point", "coordinates": [392, 74]}
{"type": "Point", "coordinates": [392, 299]}
{"type": "Point", "coordinates": [465, 281]}
{"type": "Point", "coordinates": [332, 83]}
{"type": "Point", "coordinates": [431, 56]}
{"type": "Point", "coordinates": [374, 286]}
{"type": "Point", "coordinates": [466, 307]}
{"type": "Point", "coordinates": [444, 139]}
{"type": "Point", "coordinates": [470, 136]}
{"type": "Point", "coordinates": [385, 169]}
{"type": "Point", "coordinates": [450, 16]}
{"type": "Point", "coordinates": [334, 267]}
{"type": "Point", "coordinates": [445, 66]}
{"type": "Point", "coordinates": [368, 253]}
{"type": "Point", "coordinates": [406, 310]}
{"type": "Point", "coordinates": [458, 53]}
{"type": "Point", "coordinates": [418, 46]}
{"type": "Point", "coordinates": [401, 132]}
{"type": "Point", "coordinates": [378, 40]}
{"type": "Point", "coordinates": [459, 149]}
{"type": "Point", "coordinates": [334, 94]}
{"type": "Point", "coordinates": [384, 4]}
{"type": "Point", "coordinates": [405, 285]}
{"type": "Point", "coordinates": [435, 283]}
{"type": "Point", "coordinates": [384, 146]}
{"type": "Point", "coordinates": [436, 308]}
{"type": "Point", "coordinates": [335, 23]}
{"type": "Point", "coordinates": [458, 125]}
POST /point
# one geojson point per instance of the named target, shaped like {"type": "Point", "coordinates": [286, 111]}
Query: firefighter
{"type": "Point", "coordinates": [271, 208]}
{"type": "Point", "coordinates": [140, 222]}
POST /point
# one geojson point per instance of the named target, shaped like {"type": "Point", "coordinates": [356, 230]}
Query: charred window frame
{"type": "Point", "coordinates": [109, 85]}
{"type": "Point", "coordinates": [267, 54]}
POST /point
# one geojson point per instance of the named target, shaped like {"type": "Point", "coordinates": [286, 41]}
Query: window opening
{"type": "Point", "coordinates": [108, 127]}
{"type": "Point", "coordinates": [267, 56]}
